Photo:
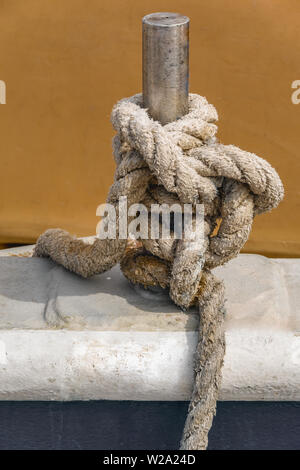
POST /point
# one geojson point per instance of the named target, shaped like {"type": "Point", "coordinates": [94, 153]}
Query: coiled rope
{"type": "Point", "coordinates": [181, 162]}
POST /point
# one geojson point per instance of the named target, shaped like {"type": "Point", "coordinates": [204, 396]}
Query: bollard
{"type": "Point", "coordinates": [166, 65]}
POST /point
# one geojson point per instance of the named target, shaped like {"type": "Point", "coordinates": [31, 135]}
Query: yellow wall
{"type": "Point", "coordinates": [66, 62]}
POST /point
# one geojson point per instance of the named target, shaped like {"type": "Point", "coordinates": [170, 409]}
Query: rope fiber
{"type": "Point", "coordinates": [178, 163]}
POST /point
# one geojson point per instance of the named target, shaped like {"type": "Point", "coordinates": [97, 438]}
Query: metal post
{"type": "Point", "coordinates": [166, 65]}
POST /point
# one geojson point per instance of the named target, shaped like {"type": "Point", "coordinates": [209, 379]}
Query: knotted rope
{"type": "Point", "coordinates": [181, 162]}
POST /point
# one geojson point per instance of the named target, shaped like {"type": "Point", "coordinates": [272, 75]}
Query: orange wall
{"type": "Point", "coordinates": [66, 62]}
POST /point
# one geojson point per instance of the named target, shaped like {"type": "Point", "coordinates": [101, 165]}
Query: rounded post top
{"type": "Point", "coordinates": [165, 19]}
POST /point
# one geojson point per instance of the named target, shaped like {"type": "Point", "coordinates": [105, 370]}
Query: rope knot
{"type": "Point", "coordinates": [178, 163]}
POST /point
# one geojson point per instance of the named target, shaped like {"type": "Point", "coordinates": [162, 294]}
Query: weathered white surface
{"type": "Point", "coordinates": [114, 342]}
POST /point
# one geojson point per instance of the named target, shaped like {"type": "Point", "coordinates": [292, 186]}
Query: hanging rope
{"type": "Point", "coordinates": [181, 162]}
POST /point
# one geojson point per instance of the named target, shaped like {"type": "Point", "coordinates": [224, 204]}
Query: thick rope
{"type": "Point", "coordinates": [208, 363]}
{"type": "Point", "coordinates": [181, 162]}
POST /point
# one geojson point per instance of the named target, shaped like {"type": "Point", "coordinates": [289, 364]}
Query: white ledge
{"type": "Point", "coordinates": [115, 342]}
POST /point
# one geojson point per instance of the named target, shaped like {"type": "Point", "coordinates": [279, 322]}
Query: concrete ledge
{"type": "Point", "coordinates": [65, 338]}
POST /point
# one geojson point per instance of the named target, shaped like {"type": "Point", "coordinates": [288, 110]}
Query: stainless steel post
{"type": "Point", "coordinates": [166, 65]}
